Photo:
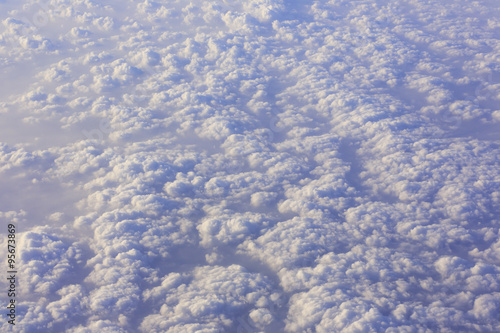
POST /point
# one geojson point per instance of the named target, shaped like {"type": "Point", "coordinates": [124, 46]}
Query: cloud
{"type": "Point", "coordinates": [47, 261]}
{"type": "Point", "coordinates": [226, 227]}
{"type": "Point", "coordinates": [262, 166]}
{"type": "Point", "coordinates": [208, 299]}
{"type": "Point", "coordinates": [71, 305]}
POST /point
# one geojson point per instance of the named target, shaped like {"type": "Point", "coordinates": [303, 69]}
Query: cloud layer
{"type": "Point", "coordinates": [266, 166]}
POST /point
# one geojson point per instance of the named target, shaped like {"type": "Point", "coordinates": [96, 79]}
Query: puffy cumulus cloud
{"type": "Point", "coordinates": [34, 315]}
{"type": "Point", "coordinates": [59, 315]}
{"type": "Point", "coordinates": [259, 199]}
{"type": "Point", "coordinates": [280, 166]}
{"type": "Point", "coordinates": [381, 289]}
{"type": "Point", "coordinates": [18, 157]}
{"type": "Point", "coordinates": [429, 170]}
{"type": "Point", "coordinates": [126, 241]}
{"type": "Point", "coordinates": [227, 227]}
{"type": "Point", "coordinates": [239, 22]}
{"type": "Point", "coordinates": [81, 158]}
{"type": "Point", "coordinates": [71, 304]}
{"type": "Point", "coordinates": [295, 242]}
{"type": "Point", "coordinates": [119, 123]}
{"type": "Point", "coordinates": [48, 261]}
{"type": "Point", "coordinates": [146, 57]}
{"type": "Point", "coordinates": [317, 147]}
{"type": "Point", "coordinates": [489, 254]}
{"type": "Point", "coordinates": [324, 186]}
{"type": "Point", "coordinates": [326, 193]}
{"type": "Point", "coordinates": [114, 299]}
{"type": "Point", "coordinates": [264, 10]}
{"type": "Point", "coordinates": [208, 299]}
{"type": "Point", "coordinates": [243, 145]}
{"type": "Point", "coordinates": [141, 227]}
{"type": "Point", "coordinates": [361, 267]}
{"type": "Point", "coordinates": [237, 187]}
{"type": "Point", "coordinates": [379, 224]}
{"type": "Point", "coordinates": [431, 87]}
{"type": "Point", "coordinates": [57, 72]}
{"type": "Point", "coordinates": [216, 128]}
{"type": "Point", "coordinates": [324, 309]}
{"type": "Point", "coordinates": [120, 265]}
{"type": "Point", "coordinates": [112, 75]}
{"type": "Point", "coordinates": [141, 237]}
{"type": "Point", "coordinates": [106, 326]}
{"type": "Point", "coordinates": [20, 39]}
{"type": "Point", "coordinates": [136, 183]}
{"type": "Point", "coordinates": [345, 150]}
{"type": "Point", "coordinates": [329, 191]}
{"type": "Point", "coordinates": [486, 306]}
{"type": "Point", "coordinates": [12, 216]}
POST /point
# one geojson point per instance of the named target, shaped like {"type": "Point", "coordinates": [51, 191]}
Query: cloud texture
{"type": "Point", "coordinates": [258, 166]}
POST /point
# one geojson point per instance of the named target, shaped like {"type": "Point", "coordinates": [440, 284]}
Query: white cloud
{"type": "Point", "coordinates": [72, 303]}
{"type": "Point", "coordinates": [279, 166]}
{"type": "Point", "coordinates": [47, 261]}
{"type": "Point", "coordinates": [227, 227]}
{"type": "Point", "coordinates": [209, 298]}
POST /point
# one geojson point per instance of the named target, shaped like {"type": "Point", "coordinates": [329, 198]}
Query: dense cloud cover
{"type": "Point", "coordinates": [258, 166]}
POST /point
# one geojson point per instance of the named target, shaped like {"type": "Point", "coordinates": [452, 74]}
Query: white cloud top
{"type": "Point", "coordinates": [259, 166]}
